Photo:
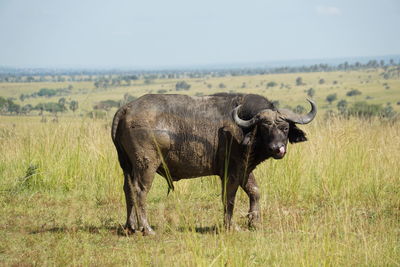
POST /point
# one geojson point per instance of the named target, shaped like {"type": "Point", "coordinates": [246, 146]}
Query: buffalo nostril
{"type": "Point", "coordinates": [279, 149]}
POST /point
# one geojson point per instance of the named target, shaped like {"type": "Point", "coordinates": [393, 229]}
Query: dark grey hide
{"type": "Point", "coordinates": [183, 137]}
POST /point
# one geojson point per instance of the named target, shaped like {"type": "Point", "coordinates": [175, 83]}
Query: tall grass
{"type": "Point", "coordinates": [334, 200]}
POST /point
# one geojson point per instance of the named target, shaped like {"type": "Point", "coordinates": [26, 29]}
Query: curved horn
{"type": "Point", "coordinates": [239, 121]}
{"type": "Point", "coordinates": [297, 118]}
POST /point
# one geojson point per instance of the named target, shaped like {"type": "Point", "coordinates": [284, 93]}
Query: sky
{"type": "Point", "coordinates": [160, 33]}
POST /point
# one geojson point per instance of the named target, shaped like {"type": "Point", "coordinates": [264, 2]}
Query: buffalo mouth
{"type": "Point", "coordinates": [278, 153]}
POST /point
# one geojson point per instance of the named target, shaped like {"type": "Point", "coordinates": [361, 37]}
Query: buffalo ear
{"type": "Point", "coordinates": [295, 134]}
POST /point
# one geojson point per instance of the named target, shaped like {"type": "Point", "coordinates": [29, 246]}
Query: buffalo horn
{"type": "Point", "coordinates": [240, 122]}
{"type": "Point", "coordinates": [289, 115]}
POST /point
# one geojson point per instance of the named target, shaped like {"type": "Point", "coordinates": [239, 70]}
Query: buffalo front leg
{"type": "Point", "coordinates": [229, 189]}
{"type": "Point", "coordinates": [252, 191]}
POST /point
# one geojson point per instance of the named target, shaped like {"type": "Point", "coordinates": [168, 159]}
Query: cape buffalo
{"type": "Point", "coordinates": [181, 137]}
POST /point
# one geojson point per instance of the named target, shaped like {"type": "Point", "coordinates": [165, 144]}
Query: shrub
{"type": "Point", "coordinates": [299, 81]}
{"type": "Point", "coordinates": [161, 91]}
{"type": "Point", "coordinates": [107, 104]}
{"type": "Point", "coordinates": [364, 110]}
{"type": "Point", "coordinates": [299, 109]}
{"type": "Point", "coordinates": [330, 98]}
{"type": "Point", "coordinates": [47, 92]}
{"type": "Point", "coordinates": [311, 92]}
{"type": "Point", "coordinates": [50, 107]}
{"type": "Point", "coordinates": [182, 85]}
{"type": "Point", "coordinates": [96, 114]}
{"type": "Point", "coordinates": [342, 106]}
{"type": "Point", "coordinates": [353, 92]}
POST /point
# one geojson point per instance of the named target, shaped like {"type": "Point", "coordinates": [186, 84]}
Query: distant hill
{"type": "Point", "coordinates": [267, 65]}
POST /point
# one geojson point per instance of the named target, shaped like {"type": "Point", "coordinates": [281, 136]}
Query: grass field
{"type": "Point", "coordinates": [369, 82]}
{"type": "Point", "coordinates": [334, 200]}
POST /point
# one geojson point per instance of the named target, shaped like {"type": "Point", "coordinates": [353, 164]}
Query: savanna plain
{"type": "Point", "coordinates": [333, 200]}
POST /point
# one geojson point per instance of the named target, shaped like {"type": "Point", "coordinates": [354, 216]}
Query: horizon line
{"type": "Point", "coordinates": [221, 65]}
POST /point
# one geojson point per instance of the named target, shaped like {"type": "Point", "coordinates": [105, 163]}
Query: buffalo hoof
{"type": "Point", "coordinates": [254, 220]}
{"type": "Point", "coordinates": [148, 231]}
{"type": "Point", "coordinates": [233, 227]}
{"type": "Point", "coordinates": [126, 231]}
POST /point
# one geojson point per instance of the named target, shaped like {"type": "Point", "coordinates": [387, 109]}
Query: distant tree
{"type": "Point", "coordinates": [321, 81]}
{"type": "Point", "coordinates": [49, 107]}
{"type": "Point", "coordinates": [299, 109]}
{"type": "Point", "coordinates": [60, 78]}
{"type": "Point", "coordinates": [128, 98]}
{"type": "Point", "coordinates": [182, 85]}
{"type": "Point", "coordinates": [353, 92]}
{"type": "Point", "coordinates": [96, 114]}
{"type": "Point", "coordinates": [47, 92]}
{"type": "Point", "coordinates": [62, 103]}
{"type": "Point", "coordinates": [26, 109]}
{"type": "Point", "coordinates": [161, 91]}
{"type": "Point", "coordinates": [299, 81]}
{"type": "Point", "coordinates": [271, 84]}
{"type": "Point", "coordinates": [387, 111]}
{"type": "Point", "coordinates": [364, 110]}
{"type": "Point", "coordinates": [372, 64]}
{"type": "Point", "coordinates": [331, 97]}
{"type": "Point", "coordinates": [311, 92]}
{"type": "Point", "coordinates": [342, 106]}
{"type": "Point", "coordinates": [30, 79]}
{"type": "Point", "coordinates": [148, 81]}
{"type": "Point", "coordinates": [222, 86]}
{"type": "Point", "coordinates": [73, 105]}
{"type": "Point", "coordinates": [209, 86]}
{"type": "Point", "coordinates": [12, 107]}
{"type": "Point", "coordinates": [3, 104]}
{"type": "Point", "coordinates": [107, 104]}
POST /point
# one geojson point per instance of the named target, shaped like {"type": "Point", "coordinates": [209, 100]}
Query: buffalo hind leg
{"type": "Point", "coordinates": [131, 219]}
{"type": "Point", "coordinates": [142, 182]}
{"type": "Point", "coordinates": [229, 189]}
{"type": "Point", "coordinates": [252, 191]}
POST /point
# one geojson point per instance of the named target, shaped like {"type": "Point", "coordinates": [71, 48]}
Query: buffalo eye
{"type": "Point", "coordinates": [267, 123]}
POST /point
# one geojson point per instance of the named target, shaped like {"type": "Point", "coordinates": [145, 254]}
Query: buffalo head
{"type": "Point", "coordinates": [276, 127]}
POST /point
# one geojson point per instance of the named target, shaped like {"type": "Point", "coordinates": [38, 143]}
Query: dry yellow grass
{"type": "Point", "coordinates": [331, 201]}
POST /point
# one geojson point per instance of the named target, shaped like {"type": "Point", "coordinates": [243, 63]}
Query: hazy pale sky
{"type": "Point", "coordinates": [156, 33]}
